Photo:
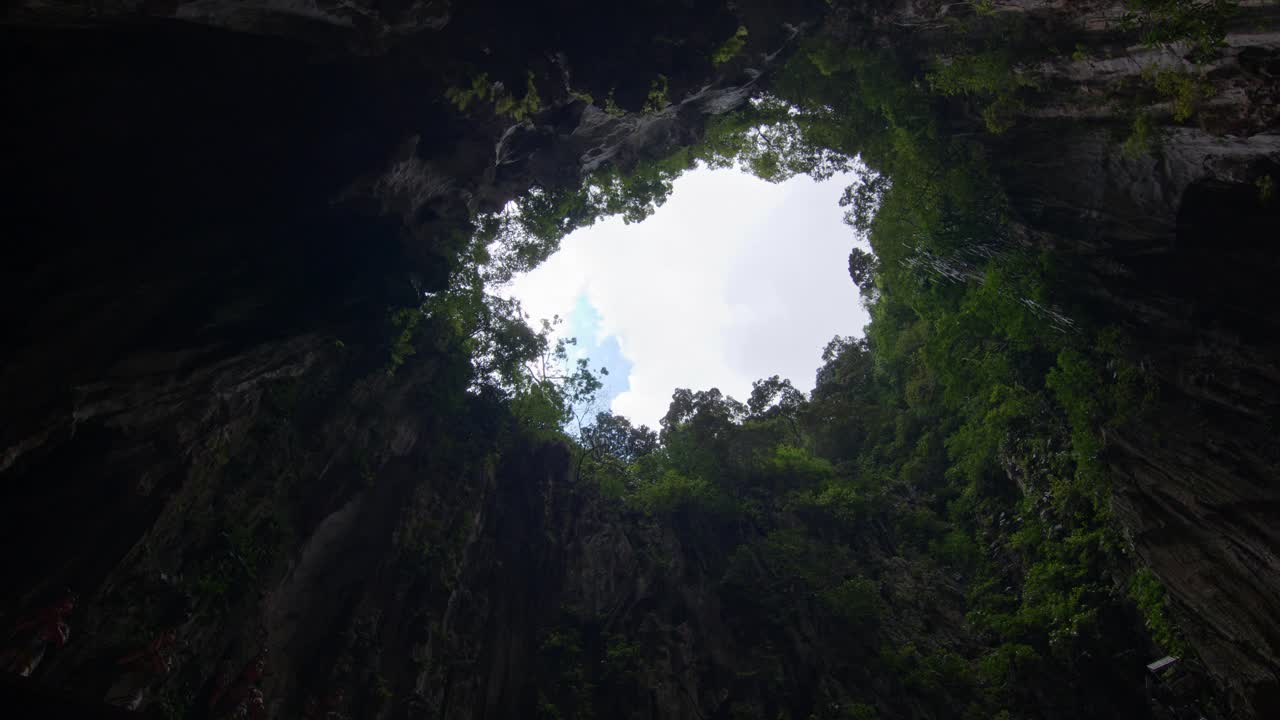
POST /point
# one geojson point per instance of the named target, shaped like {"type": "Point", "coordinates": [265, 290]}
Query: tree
{"type": "Point", "coordinates": [862, 270]}
{"type": "Point", "coordinates": [706, 413]}
{"type": "Point", "coordinates": [772, 397]}
{"type": "Point", "coordinates": [615, 436]}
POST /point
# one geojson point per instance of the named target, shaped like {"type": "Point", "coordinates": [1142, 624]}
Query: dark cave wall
{"type": "Point", "coordinates": [1196, 483]}
{"type": "Point", "coordinates": [1175, 250]}
{"type": "Point", "coordinates": [182, 187]}
{"type": "Point", "coordinates": [185, 195]}
{"type": "Point", "coordinates": [212, 217]}
{"type": "Point", "coordinates": [1173, 246]}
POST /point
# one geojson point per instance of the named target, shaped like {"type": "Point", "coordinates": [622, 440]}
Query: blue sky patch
{"type": "Point", "coordinates": [584, 323]}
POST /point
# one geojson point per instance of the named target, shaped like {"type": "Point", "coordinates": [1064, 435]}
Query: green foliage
{"type": "Point", "coordinates": [1200, 23]}
{"type": "Point", "coordinates": [1149, 594]}
{"type": "Point", "coordinates": [769, 141]}
{"type": "Point", "coordinates": [611, 106]}
{"type": "Point", "coordinates": [552, 392]}
{"type": "Point", "coordinates": [1097, 388]}
{"type": "Point", "coordinates": [856, 601]}
{"type": "Point", "coordinates": [975, 446]}
{"type": "Point", "coordinates": [613, 451]}
{"type": "Point", "coordinates": [527, 105]}
{"type": "Point", "coordinates": [528, 231]}
{"type": "Point", "coordinates": [1006, 672]}
{"type": "Point", "coordinates": [919, 526]}
{"type": "Point", "coordinates": [504, 102]}
{"type": "Point", "coordinates": [1266, 189]}
{"type": "Point", "coordinates": [1007, 663]}
{"type": "Point", "coordinates": [381, 690]}
{"type": "Point", "coordinates": [229, 569]}
{"type": "Point", "coordinates": [861, 711]}
{"type": "Point", "coordinates": [956, 549]}
{"type": "Point", "coordinates": [841, 504]}
{"type": "Point", "coordinates": [1142, 137]}
{"type": "Point", "coordinates": [479, 89]}
{"type": "Point", "coordinates": [936, 677]}
{"type": "Point", "coordinates": [1184, 89]}
{"type": "Point", "coordinates": [658, 97]}
{"type": "Point", "coordinates": [1075, 381]}
{"type": "Point", "coordinates": [989, 75]}
{"type": "Point", "coordinates": [971, 376]}
{"type": "Point", "coordinates": [622, 656]}
{"type": "Point", "coordinates": [672, 492]}
{"type": "Point", "coordinates": [797, 467]}
{"type": "Point", "coordinates": [565, 686]}
{"type": "Point", "coordinates": [731, 47]}
{"type": "Point", "coordinates": [404, 323]}
{"type": "Point", "coordinates": [964, 433]}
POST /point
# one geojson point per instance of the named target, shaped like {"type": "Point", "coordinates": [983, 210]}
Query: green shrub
{"type": "Point", "coordinates": [919, 526]}
{"type": "Point", "coordinates": [731, 47]}
{"type": "Point", "coordinates": [861, 711]}
{"type": "Point", "coordinates": [956, 549]}
{"type": "Point", "coordinates": [1149, 594]}
{"type": "Point", "coordinates": [1143, 137]}
{"type": "Point", "coordinates": [659, 95]}
{"type": "Point", "coordinates": [404, 324]}
{"type": "Point", "coordinates": [504, 102]}
{"type": "Point", "coordinates": [1005, 665]}
{"type": "Point", "coordinates": [1266, 189]}
{"type": "Point", "coordinates": [622, 656]}
{"type": "Point", "coordinates": [1185, 90]}
{"type": "Point", "coordinates": [844, 504]}
{"type": "Point", "coordinates": [991, 75]}
{"type": "Point", "coordinates": [673, 492]}
{"type": "Point", "coordinates": [1202, 23]}
{"type": "Point", "coordinates": [797, 467]}
{"type": "Point", "coordinates": [462, 97]}
{"type": "Point", "coordinates": [856, 601]}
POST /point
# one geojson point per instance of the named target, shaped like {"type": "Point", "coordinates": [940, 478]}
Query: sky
{"type": "Point", "coordinates": [732, 280]}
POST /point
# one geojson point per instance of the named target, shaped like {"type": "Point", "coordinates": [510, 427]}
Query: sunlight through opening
{"type": "Point", "coordinates": [732, 280]}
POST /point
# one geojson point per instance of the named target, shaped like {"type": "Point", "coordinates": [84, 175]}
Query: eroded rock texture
{"type": "Point", "coordinates": [1179, 245]}
{"type": "Point", "coordinates": [214, 206]}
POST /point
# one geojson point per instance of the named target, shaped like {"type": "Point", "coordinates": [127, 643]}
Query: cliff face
{"type": "Point", "coordinates": [213, 206]}
{"type": "Point", "coordinates": [1175, 246]}
{"type": "Point", "coordinates": [1171, 239]}
{"type": "Point", "coordinates": [201, 210]}
{"type": "Point", "coordinates": [217, 205]}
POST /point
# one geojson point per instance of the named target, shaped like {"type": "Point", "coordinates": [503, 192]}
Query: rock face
{"type": "Point", "coordinates": [215, 205]}
{"type": "Point", "coordinates": [212, 205]}
{"type": "Point", "coordinates": [1180, 266]}
{"type": "Point", "coordinates": [183, 216]}
{"type": "Point", "coordinates": [1174, 240]}
{"type": "Point", "coordinates": [1196, 483]}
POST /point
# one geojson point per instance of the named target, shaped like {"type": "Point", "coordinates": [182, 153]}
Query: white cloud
{"type": "Point", "coordinates": [732, 280]}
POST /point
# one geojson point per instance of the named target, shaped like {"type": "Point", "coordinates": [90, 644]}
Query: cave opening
{"type": "Point", "coordinates": [733, 279]}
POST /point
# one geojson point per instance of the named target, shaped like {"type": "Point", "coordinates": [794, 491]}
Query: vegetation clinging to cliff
{"type": "Point", "coordinates": [966, 430]}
